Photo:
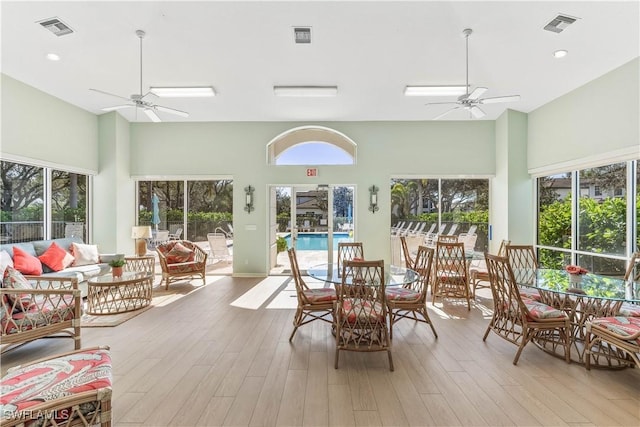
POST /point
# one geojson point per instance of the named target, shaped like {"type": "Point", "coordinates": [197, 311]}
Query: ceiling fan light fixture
{"type": "Point", "coordinates": [305, 91]}
{"type": "Point", "coordinates": [560, 53]}
{"type": "Point", "coordinates": [183, 92]}
{"type": "Point", "coordinates": [435, 90]}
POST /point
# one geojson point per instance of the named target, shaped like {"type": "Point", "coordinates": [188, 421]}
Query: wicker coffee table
{"type": "Point", "coordinates": [113, 295]}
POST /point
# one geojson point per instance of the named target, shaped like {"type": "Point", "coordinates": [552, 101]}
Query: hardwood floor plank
{"type": "Point", "coordinates": [291, 407]}
{"type": "Point", "coordinates": [367, 418]}
{"type": "Point", "coordinates": [243, 405]}
{"type": "Point", "coordinates": [316, 403]}
{"type": "Point", "coordinates": [215, 412]}
{"type": "Point", "coordinates": [266, 411]}
{"type": "Point", "coordinates": [439, 409]}
{"type": "Point", "coordinates": [386, 399]}
{"type": "Point", "coordinates": [340, 408]}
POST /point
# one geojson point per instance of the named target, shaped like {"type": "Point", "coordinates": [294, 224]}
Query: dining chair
{"type": "Point", "coordinates": [518, 319]}
{"type": "Point", "coordinates": [408, 259]}
{"type": "Point", "coordinates": [348, 251]}
{"type": "Point", "coordinates": [524, 265]}
{"type": "Point", "coordinates": [361, 310]}
{"type": "Point", "coordinates": [632, 276]}
{"type": "Point", "coordinates": [615, 337]}
{"type": "Point", "coordinates": [409, 301]}
{"type": "Point", "coordinates": [447, 238]}
{"type": "Point", "coordinates": [451, 279]}
{"type": "Point", "coordinates": [313, 304]}
{"type": "Point", "coordinates": [478, 273]}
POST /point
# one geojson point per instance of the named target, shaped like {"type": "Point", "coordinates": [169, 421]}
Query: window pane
{"type": "Point", "coordinates": [548, 258]}
{"type": "Point", "coordinates": [22, 204]}
{"type": "Point", "coordinates": [465, 206]}
{"type": "Point", "coordinates": [170, 196]}
{"type": "Point", "coordinates": [68, 205]}
{"type": "Point", "coordinates": [210, 209]}
{"type": "Point", "coordinates": [602, 221]}
{"type": "Point", "coordinates": [604, 266]}
{"type": "Point", "coordinates": [554, 212]}
{"type": "Point", "coordinates": [314, 153]}
{"type": "Point", "coordinates": [637, 230]}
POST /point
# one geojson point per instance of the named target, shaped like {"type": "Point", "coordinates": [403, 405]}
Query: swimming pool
{"type": "Point", "coordinates": [317, 241]}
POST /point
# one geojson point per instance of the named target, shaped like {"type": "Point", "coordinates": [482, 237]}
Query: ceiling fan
{"type": "Point", "coordinates": [138, 101]}
{"type": "Point", "coordinates": [470, 101]}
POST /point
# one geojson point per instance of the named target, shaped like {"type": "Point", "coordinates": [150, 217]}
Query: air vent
{"type": "Point", "coordinates": [302, 35]}
{"type": "Point", "coordinates": [559, 23]}
{"type": "Point", "coordinates": [56, 26]}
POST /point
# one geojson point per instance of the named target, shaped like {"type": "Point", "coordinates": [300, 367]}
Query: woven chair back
{"type": "Point", "coordinates": [348, 251]}
{"type": "Point", "coordinates": [523, 263]}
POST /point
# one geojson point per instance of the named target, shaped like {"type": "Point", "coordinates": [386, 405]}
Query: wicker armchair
{"type": "Point", "coordinates": [179, 259]}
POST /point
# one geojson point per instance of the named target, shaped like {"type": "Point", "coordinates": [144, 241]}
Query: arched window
{"type": "Point", "coordinates": [311, 145]}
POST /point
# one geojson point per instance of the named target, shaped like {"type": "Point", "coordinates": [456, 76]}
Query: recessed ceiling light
{"type": "Point", "coordinates": [53, 57]}
{"type": "Point", "coordinates": [312, 91]}
{"type": "Point", "coordinates": [560, 53]}
{"type": "Point", "coordinates": [183, 92]}
{"type": "Point", "coordinates": [434, 90]}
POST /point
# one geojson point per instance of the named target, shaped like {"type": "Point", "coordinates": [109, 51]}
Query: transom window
{"type": "Point", "coordinates": [311, 145]}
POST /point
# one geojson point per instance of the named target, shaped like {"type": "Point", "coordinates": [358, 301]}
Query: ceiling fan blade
{"type": "Point", "coordinates": [117, 107]}
{"type": "Point", "coordinates": [152, 115]}
{"type": "Point", "coordinates": [441, 103]}
{"type": "Point", "coordinates": [110, 94]}
{"type": "Point", "coordinates": [171, 111]}
{"type": "Point", "coordinates": [476, 112]}
{"type": "Point", "coordinates": [477, 93]}
{"type": "Point", "coordinates": [494, 100]}
{"type": "Point", "coordinates": [445, 113]}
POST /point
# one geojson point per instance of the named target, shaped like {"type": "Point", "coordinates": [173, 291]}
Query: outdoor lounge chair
{"type": "Point", "coordinates": [177, 235]}
{"type": "Point", "coordinates": [218, 249]}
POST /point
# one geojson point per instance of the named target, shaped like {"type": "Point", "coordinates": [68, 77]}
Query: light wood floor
{"type": "Point", "coordinates": [201, 361]}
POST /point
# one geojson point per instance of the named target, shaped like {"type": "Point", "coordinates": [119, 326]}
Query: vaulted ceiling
{"type": "Point", "coordinates": [371, 50]}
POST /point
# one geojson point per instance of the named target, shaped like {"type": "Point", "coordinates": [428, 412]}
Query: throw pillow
{"type": "Point", "coordinates": [84, 254]}
{"type": "Point", "coordinates": [56, 258]}
{"type": "Point", "coordinates": [13, 279]}
{"type": "Point", "coordinates": [5, 261]}
{"type": "Point", "coordinates": [26, 263]}
{"type": "Point", "coordinates": [180, 253]}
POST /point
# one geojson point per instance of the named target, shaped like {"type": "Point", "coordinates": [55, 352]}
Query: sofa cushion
{"type": "Point", "coordinates": [5, 261]}
{"type": "Point", "coordinates": [13, 279]}
{"type": "Point", "coordinates": [180, 253]}
{"type": "Point", "coordinates": [40, 246]}
{"type": "Point", "coordinates": [84, 254]}
{"type": "Point", "coordinates": [56, 258]}
{"type": "Point", "coordinates": [25, 262]}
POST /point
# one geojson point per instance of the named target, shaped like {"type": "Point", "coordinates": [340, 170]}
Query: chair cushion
{"type": "Point", "coordinates": [530, 293]}
{"type": "Point", "coordinates": [320, 295]}
{"type": "Point", "coordinates": [5, 261]}
{"type": "Point", "coordinates": [40, 313]}
{"type": "Point", "coordinates": [25, 262]}
{"type": "Point", "coordinates": [180, 253]}
{"type": "Point", "coordinates": [620, 325]}
{"type": "Point", "coordinates": [359, 311]}
{"type": "Point", "coordinates": [185, 267]}
{"type": "Point", "coordinates": [32, 385]}
{"type": "Point", "coordinates": [401, 294]}
{"type": "Point", "coordinates": [56, 258]}
{"type": "Point", "coordinates": [84, 254]}
{"type": "Point", "coordinates": [629, 310]}
{"type": "Point", "coordinates": [539, 311]}
{"type": "Point", "coordinates": [13, 279]}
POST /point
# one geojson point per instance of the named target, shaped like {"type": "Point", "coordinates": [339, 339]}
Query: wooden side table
{"type": "Point", "coordinates": [141, 263]}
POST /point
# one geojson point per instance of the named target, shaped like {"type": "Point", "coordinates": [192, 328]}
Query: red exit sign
{"type": "Point", "coordinates": [312, 171]}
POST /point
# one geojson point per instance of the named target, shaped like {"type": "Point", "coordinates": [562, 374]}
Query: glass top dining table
{"type": "Point", "coordinates": [394, 275]}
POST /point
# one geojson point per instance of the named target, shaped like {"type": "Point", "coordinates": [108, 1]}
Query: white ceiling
{"type": "Point", "coordinates": [369, 49]}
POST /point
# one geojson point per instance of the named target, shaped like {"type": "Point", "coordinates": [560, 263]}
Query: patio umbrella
{"type": "Point", "coordinates": [349, 213]}
{"type": "Point", "coordinates": [155, 215]}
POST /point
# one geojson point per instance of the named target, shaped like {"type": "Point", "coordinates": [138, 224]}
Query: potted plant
{"type": "Point", "coordinates": [281, 244]}
{"type": "Point", "coordinates": [116, 267]}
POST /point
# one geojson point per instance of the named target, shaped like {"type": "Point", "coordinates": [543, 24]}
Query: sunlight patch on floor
{"type": "Point", "coordinates": [260, 293]}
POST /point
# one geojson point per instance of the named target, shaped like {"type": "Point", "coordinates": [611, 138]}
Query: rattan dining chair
{"type": "Point", "coordinates": [409, 301]}
{"type": "Point", "coordinates": [408, 259]}
{"type": "Point", "coordinates": [348, 251]}
{"type": "Point", "coordinates": [518, 319]}
{"type": "Point", "coordinates": [632, 276]}
{"type": "Point", "coordinates": [361, 310]}
{"type": "Point", "coordinates": [478, 273]}
{"type": "Point", "coordinates": [524, 265]}
{"type": "Point", "coordinates": [447, 238]}
{"type": "Point", "coordinates": [313, 304]}
{"type": "Point", "coordinates": [617, 337]}
{"type": "Point", "coordinates": [451, 279]}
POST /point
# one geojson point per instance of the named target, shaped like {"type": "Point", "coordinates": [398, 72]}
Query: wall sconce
{"type": "Point", "coordinates": [248, 203]}
{"type": "Point", "coordinates": [373, 198]}
{"type": "Point", "coordinates": [140, 233]}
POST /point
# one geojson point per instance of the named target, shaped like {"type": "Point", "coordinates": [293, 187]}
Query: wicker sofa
{"type": "Point", "coordinates": [180, 259]}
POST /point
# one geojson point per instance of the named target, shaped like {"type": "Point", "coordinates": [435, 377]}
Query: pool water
{"type": "Point", "coordinates": [317, 241]}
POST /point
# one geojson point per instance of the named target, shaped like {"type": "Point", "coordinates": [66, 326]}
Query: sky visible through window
{"type": "Point", "coordinates": [314, 153]}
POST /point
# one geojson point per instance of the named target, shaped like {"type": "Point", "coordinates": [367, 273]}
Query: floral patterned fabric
{"type": "Point", "coordinates": [530, 293]}
{"type": "Point", "coordinates": [320, 295]}
{"type": "Point", "coordinates": [179, 253]}
{"type": "Point", "coordinates": [42, 312]}
{"type": "Point", "coordinates": [624, 326]}
{"type": "Point", "coordinates": [539, 311]}
{"type": "Point", "coordinates": [401, 294]}
{"type": "Point", "coordinates": [184, 268]}
{"type": "Point", "coordinates": [26, 387]}
{"type": "Point", "coordinates": [629, 310]}
{"type": "Point", "coordinates": [359, 311]}
{"type": "Point", "coordinates": [13, 279]}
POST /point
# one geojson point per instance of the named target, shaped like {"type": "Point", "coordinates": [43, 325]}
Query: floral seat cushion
{"type": "Point", "coordinates": [26, 387]}
{"type": "Point", "coordinates": [629, 310]}
{"type": "Point", "coordinates": [320, 295]}
{"type": "Point", "coordinates": [530, 293]}
{"type": "Point", "coordinates": [626, 327]}
{"type": "Point", "coordinates": [184, 267]}
{"type": "Point", "coordinates": [355, 311]}
{"type": "Point", "coordinates": [401, 294]}
{"type": "Point", "coordinates": [42, 312]}
{"type": "Point", "coordinates": [541, 311]}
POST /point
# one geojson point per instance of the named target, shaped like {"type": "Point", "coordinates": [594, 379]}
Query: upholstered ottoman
{"type": "Point", "coordinates": [73, 389]}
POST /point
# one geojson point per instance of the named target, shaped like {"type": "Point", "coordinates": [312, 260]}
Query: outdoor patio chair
{"type": "Point", "coordinates": [218, 249]}
{"type": "Point", "coordinates": [518, 319]}
{"type": "Point", "coordinates": [177, 235]}
{"type": "Point", "coordinates": [348, 251]}
{"type": "Point", "coordinates": [361, 310]}
{"type": "Point", "coordinates": [451, 280]}
{"type": "Point", "coordinates": [617, 337]}
{"type": "Point", "coordinates": [407, 302]}
{"type": "Point", "coordinates": [313, 304]}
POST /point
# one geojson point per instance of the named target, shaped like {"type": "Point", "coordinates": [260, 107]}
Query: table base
{"type": "Point", "coordinates": [119, 297]}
